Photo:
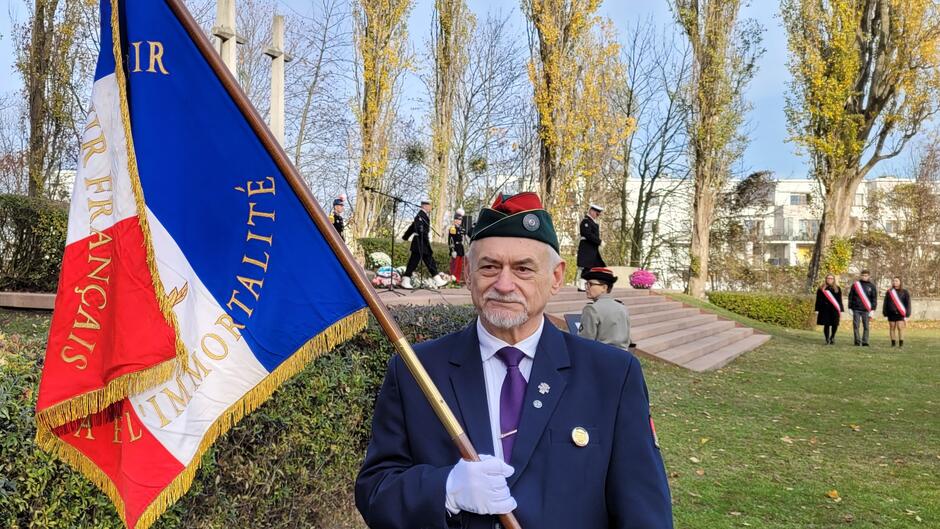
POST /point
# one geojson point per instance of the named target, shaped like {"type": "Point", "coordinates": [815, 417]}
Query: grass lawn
{"type": "Point", "coordinates": [793, 435]}
{"type": "Point", "coordinates": [762, 442]}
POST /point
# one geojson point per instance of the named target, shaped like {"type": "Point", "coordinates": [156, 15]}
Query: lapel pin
{"type": "Point", "coordinates": [544, 388]}
{"type": "Point", "coordinates": [537, 404]}
{"type": "Point", "coordinates": [580, 436]}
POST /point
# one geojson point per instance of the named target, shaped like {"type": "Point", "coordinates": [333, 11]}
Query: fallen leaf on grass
{"type": "Point", "coordinates": [695, 460]}
{"type": "Point", "coordinates": [787, 439]}
{"type": "Point", "coordinates": [704, 440]}
{"type": "Point", "coordinates": [855, 427]}
{"type": "Point", "coordinates": [834, 495]}
{"type": "Point", "coordinates": [848, 518]}
{"type": "Point", "coordinates": [700, 472]}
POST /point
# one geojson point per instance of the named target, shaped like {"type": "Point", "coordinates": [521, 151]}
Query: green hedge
{"type": "Point", "coordinates": [32, 239]}
{"type": "Point", "coordinates": [403, 251]}
{"type": "Point", "coordinates": [291, 463]}
{"type": "Point", "coordinates": [785, 310]}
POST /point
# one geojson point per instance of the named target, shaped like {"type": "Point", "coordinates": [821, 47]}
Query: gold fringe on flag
{"type": "Point", "coordinates": [47, 440]}
{"type": "Point", "coordinates": [325, 341]}
{"type": "Point", "coordinates": [90, 403]}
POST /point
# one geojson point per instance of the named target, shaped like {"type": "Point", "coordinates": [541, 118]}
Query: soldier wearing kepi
{"type": "Point", "coordinates": [589, 247]}
{"type": "Point", "coordinates": [421, 247]}
{"type": "Point", "coordinates": [606, 319]}
{"type": "Point", "coordinates": [336, 215]}
{"type": "Point", "coordinates": [563, 423]}
{"type": "Point", "coordinates": [455, 243]}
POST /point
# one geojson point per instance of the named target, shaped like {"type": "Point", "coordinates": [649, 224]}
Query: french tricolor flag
{"type": "Point", "coordinates": [194, 280]}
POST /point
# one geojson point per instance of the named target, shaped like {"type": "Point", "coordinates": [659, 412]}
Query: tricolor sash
{"type": "Point", "coordinates": [832, 300]}
{"type": "Point", "coordinates": [893, 294]}
{"type": "Point", "coordinates": [861, 294]}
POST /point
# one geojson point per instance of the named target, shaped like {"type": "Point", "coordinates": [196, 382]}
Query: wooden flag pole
{"type": "Point", "coordinates": [378, 308]}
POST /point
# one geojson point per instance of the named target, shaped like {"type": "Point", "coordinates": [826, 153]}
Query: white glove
{"type": "Point", "coordinates": [480, 487]}
{"type": "Point", "coordinates": [453, 254]}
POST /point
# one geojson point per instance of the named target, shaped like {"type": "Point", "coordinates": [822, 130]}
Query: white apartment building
{"type": "Point", "coordinates": [787, 228]}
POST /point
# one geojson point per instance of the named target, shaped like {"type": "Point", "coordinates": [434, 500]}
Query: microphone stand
{"type": "Point", "coordinates": [395, 201]}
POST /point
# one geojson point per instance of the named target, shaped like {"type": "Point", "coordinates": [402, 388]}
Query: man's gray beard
{"type": "Point", "coordinates": [504, 319]}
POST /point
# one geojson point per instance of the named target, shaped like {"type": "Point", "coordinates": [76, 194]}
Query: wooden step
{"type": "Point", "coordinates": [669, 326]}
{"type": "Point", "coordinates": [685, 353]}
{"type": "Point", "coordinates": [662, 342]}
{"type": "Point", "coordinates": [721, 357]}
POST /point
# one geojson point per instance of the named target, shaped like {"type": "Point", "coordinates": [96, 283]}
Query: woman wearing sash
{"type": "Point", "coordinates": [829, 308]}
{"type": "Point", "coordinates": [897, 309]}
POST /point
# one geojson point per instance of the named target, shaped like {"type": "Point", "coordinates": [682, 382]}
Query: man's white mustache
{"type": "Point", "coordinates": [504, 298]}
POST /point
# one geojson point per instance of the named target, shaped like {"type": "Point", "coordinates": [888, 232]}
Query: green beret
{"type": "Point", "coordinates": [519, 215]}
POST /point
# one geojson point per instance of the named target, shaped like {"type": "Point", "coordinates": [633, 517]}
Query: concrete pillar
{"type": "Point", "coordinates": [278, 60]}
{"type": "Point", "coordinates": [224, 31]}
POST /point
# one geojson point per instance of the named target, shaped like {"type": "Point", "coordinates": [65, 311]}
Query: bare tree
{"type": "Point", "coordinates": [492, 103]}
{"type": "Point", "coordinates": [724, 56]}
{"type": "Point", "coordinates": [655, 155]}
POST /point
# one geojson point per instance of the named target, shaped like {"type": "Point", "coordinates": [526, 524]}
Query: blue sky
{"type": "Point", "coordinates": [767, 125]}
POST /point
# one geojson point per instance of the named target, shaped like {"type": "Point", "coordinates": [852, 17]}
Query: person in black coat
{"type": "Point", "coordinates": [336, 216]}
{"type": "Point", "coordinates": [897, 309]}
{"type": "Point", "coordinates": [829, 308]}
{"type": "Point", "coordinates": [455, 235]}
{"type": "Point", "coordinates": [421, 247]}
{"type": "Point", "coordinates": [863, 300]}
{"type": "Point", "coordinates": [589, 247]}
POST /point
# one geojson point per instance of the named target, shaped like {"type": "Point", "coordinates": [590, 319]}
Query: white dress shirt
{"type": "Point", "coordinates": [494, 371]}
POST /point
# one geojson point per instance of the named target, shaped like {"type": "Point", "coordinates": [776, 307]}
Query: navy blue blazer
{"type": "Point", "coordinates": [617, 481]}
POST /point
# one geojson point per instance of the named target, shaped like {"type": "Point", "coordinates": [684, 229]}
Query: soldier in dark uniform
{"type": "Point", "coordinates": [455, 243]}
{"type": "Point", "coordinates": [589, 248]}
{"type": "Point", "coordinates": [336, 216]}
{"type": "Point", "coordinates": [421, 247]}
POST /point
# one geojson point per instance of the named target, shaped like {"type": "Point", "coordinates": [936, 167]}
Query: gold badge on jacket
{"type": "Point", "coordinates": [580, 437]}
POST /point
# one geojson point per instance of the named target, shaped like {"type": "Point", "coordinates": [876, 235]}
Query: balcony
{"type": "Point", "coordinates": [791, 236]}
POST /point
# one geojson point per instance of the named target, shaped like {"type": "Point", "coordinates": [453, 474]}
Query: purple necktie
{"type": "Point", "coordinates": [510, 398]}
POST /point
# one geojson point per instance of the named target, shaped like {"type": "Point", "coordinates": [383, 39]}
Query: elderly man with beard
{"type": "Point", "coordinates": [564, 421]}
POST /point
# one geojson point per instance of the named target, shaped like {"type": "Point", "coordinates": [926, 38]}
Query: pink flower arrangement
{"type": "Point", "coordinates": [642, 279]}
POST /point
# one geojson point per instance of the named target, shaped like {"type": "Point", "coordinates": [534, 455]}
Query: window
{"type": "Point", "coordinates": [809, 228]}
{"type": "Point", "coordinates": [799, 199]}
{"type": "Point", "coordinates": [859, 199]}
{"type": "Point", "coordinates": [892, 226]}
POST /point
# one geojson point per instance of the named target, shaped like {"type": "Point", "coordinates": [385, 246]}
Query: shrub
{"type": "Point", "coordinates": [371, 245]}
{"type": "Point", "coordinates": [792, 311]}
{"type": "Point", "coordinates": [642, 279]}
{"type": "Point", "coordinates": [32, 239]}
{"type": "Point", "coordinates": [291, 463]}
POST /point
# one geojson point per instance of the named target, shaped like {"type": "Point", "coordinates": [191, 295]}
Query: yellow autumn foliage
{"type": "Point", "coordinates": [574, 69]}
{"type": "Point", "coordinates": [380, 35]}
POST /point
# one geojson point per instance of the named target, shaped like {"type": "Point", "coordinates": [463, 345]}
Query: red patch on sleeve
{"type": "Point", "coordinates": [653, 429]}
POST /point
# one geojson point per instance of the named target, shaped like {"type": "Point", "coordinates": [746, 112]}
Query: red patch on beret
{"type": "Point", "coordinates": [511, 205]}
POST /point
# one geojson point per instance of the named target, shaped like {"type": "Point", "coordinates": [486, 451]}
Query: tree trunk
{"type": "Point", "coordinates": [836, 222]}
{"type": "Point", "coordinates": [39, 52]}
{"type": "Point", "coordinates": [546, 169]}
{"type": "Point", "coordinates": [702, 209]}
